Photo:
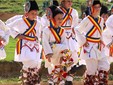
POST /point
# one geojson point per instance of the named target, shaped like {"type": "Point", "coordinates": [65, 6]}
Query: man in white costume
{"type": "Point", "coordinates": [108, 38]}
{"type": "Point", "coordinates": [4, 39]}
{"type": "Point", "coordinates": [28, 49]}
{"type": "Point", "coordinates": [58, 57]}
{"type": "Point", "coordinates": [70, 20]}
{"type": "Point", "coordinates": [89, 37]}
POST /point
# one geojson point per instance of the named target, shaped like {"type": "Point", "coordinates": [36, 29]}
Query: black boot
{"type": "Point", "coordinates": [68, 83]}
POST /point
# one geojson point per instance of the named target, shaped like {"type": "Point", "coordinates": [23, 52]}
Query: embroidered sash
{"type": "Point", "coordinates": [93, 29]}
{"type": "Point", "coordinates": [26, 34]}
{"type": "Point", "coordinates": [57, 35]}
{"type": "Point", "coordinates": [67, 15]}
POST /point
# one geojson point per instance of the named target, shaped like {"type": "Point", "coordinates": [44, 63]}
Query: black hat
{"type": "Point", "coordinates": [55, 2]}
{"type": "Point", "coordinates": [96, 2]}
{"type": "Point", "coordinates": [31, 5]}
{"type": "Point", "coordinates": [104, 10]}
{"type": "Point", "coordinates": [53, 11]}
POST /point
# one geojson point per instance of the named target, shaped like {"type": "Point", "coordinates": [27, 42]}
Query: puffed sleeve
{"type": "Point", "coordinates": [81, 39]}
{"type": "Point", "coordinates": [75, 18]}
{"type": "Point", "coordinates": [14, 28]}
{"type": "Point", "coordinates": [45, 42]}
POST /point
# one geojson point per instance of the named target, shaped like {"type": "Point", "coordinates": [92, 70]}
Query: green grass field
{"type": "Point", "coordinates": [17, 5]}
{"type": "Point", "coordinates": [10, 48]}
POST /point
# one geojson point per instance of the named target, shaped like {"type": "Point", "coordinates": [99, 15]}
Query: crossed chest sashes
{"type": "Point", "coordinates": [30, 30]}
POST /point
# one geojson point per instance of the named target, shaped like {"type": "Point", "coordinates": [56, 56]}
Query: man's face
{"type": "Point", "coordinates": [96, 9]}
{"type": "Point", "coordinates": [67, 3]}
{"type": "Point", "coordinates": [32, 14]}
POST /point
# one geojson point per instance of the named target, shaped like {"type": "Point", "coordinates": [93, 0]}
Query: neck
{"type": "Point", "coordinates": [30, 19]}
{"type": "Point", "coordinates": [95, 16]}
{"type": "Point", "coordinates": [56, 26]}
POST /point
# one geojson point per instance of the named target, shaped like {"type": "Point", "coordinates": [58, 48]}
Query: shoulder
{"type": "Point", "coordinates": [86, 19]}
{"type": "Point", "coordinates": [74, 10]}
{"type": "Point", "coordinates": [20, 20]}
{"type": "Point", "coordinates": [110, 18]}
{"type": "Point", "coordinates": [46, 30]}
{"type": "Point", "coordinates": [38, 23]}
{"type": "Point", "coordinates": [13, 18]}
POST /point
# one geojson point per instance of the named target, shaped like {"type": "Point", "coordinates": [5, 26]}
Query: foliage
{"type": "Point", "coordinates": [17, 5]}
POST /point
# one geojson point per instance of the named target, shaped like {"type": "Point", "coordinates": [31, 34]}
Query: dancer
{"type": "Point", "coordinates": [58, 58]}
{"type": "Point", "coordinates": [89, 36]}
{"type": "Point", "coordinates": [28, 48]}
{"type": "Point", "coordinates": [4, 39]}
{"type": "Point", "coordinates": [70, 20]}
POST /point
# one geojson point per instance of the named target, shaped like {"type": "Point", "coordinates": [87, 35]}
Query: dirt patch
{"type": "Point", "coordinates": [10, 69]}
{"type": "Point", "coordinates": [5, 16]}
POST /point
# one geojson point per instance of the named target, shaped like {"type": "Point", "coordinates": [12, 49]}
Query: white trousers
{"type": "Point", "coordinates": [31, 64]}
{"type": "Point", "coordinates": [93, 65]}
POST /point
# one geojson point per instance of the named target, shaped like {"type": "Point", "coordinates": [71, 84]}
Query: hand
{"type": "Point", "coordinates": [86, 44]}
{"type": "Point", "coordinates": [21, 36]}
{"type": "Point", "coordinates": [48, 56]}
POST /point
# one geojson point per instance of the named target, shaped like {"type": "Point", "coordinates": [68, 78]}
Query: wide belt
{"type": "Point", "coordinates": [67, 27]}
{"type": "Point", "coordinates": [93, 39]}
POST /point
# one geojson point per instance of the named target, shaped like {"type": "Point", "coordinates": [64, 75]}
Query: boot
{"type": "Point", "coordinates": [103, 77]}
{"type": "Point", "coordinates": [91, 80]}
{"type": "Point", "coordinates": [30, 76]}
{"type": "Point", "coordinates": [68, 83]}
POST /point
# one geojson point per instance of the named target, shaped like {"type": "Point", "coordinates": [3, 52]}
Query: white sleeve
{"type": "Point", "coordinates": [81, 26]}
{"type": "Point", "coordinates": [109, 22]}
{"type": "Point", "coordinates": [38, 31]}
{"type": "Point", "coordinates": [14, 31]}
{"type": "Point", "coordinates": [6, 37]}
{"type": "Point", "coordinates": [107, 37]}
{"type": "Point", "coordinates": [81, 39]}
{"type": "Point", "coordinates": [10, 20]}
{"type": "Point", "coordinates": [45, 43]}
{"type": "Point", "coordinates": [44, 21]}
{"type": "Point", "coordinates": [75, 19]}
{"type": "Point", "coordinates": [64, 40]}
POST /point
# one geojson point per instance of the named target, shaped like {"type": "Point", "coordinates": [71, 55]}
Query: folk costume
{"type": "Point", "coordinates": [28, 50]}
{"type": "Point", "coordinates": [70, 20]}
{"type": "Point", "coordinates": [89, 37]}
{"type": "Point", "coordinates": [54, 42]}
{"type": "Point", "coordinates": [108, 39]}
{"type": "Point", "coordinates": [4, 39]}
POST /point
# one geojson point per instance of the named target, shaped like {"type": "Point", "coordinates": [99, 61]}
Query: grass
{"type": "Point", "coordinates": [17, 5]}
{"type": "Point", "coordinates": [10, 48]}
{"type": "Point", "coordinates": [9, 81]}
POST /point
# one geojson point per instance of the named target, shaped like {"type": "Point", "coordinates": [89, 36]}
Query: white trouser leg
{"type": "Point", "coordinates": [104, 64]}
{"type": "Point", "coordinates": [91, 66]}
